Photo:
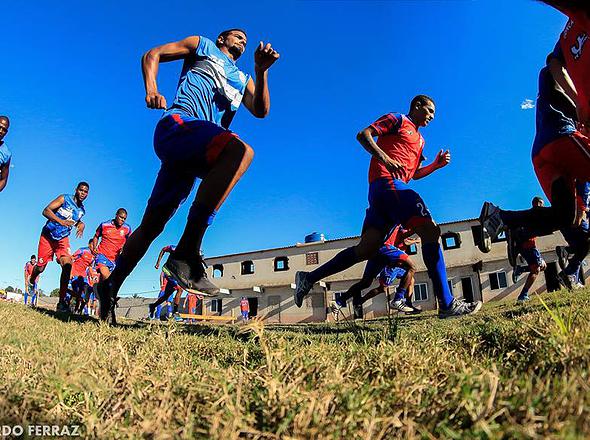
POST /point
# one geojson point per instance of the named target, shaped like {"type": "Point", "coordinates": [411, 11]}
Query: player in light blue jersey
{"type": "Point", "coordinates": [5, 154]}
{"type": "Point", "coordinates": [193, 140]}
{"type": "Point", "coordinates": [63, 213]}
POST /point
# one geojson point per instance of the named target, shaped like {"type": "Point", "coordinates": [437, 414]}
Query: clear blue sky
{"type": "Point", "coordinates": [71, 83]}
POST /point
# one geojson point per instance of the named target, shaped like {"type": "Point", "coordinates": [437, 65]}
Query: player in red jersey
{"type": "Point", "coordinates": [167, 287]}
{"type": "Point", "coordinates": [30, 288]}
{"type": "Point", "coordinates": [396, 158]}
{"type": "Point", "coordinates": [108, 241]}
{"type": "Point", "coordinates": [83, 258]}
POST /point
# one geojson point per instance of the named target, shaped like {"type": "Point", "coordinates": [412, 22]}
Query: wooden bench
{"type": "Point", "coordinates": [230, 319]}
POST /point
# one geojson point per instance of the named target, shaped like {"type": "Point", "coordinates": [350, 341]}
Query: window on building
{"type": "Point", "coordinates": [312, 258]}
{"type": "Point", "coordinates": [247, 267]}
{"type": "Point", "coordinates": [451, 240]}
{"type": "Point", "coordinates": [412, 249]}
{"type": "Point", "coordinates": [217, 270]}
{"type": "Point", "coordinates": [216, 306]}
{"type": "Point", "coordinates": [498, 280]}
{"type": "Point", "coordinates": [450, 285]}
{"type": "Point", "coordinates": [420, 292]}
{"type": "Point", "coordinates": [281, 264]}
{"type": "Point", "coordinates": [476, 231]}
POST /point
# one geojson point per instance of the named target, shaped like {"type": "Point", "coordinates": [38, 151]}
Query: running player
{"type": "Point", "coordinates": [109, 239]}
{"type": "Point", "coordinates": [391, 262]}
{"type": "Point", "coordinates": [30, 288]}
{"type": "Point", "coordinates": [5, 154]}
{"type": "Point", "coordinates": [521, 242]}
{"type": "Point", "coordinates": [82, 259]}
{"type": "Point", "coordinates": [167, 287]}
{"type": "Point", "coordinates": [93, 277]}
{"type": "Point", "coordinates": [192, 300]}
{"type": "Point", "coordinates": [63, 213]}
{"type": "Point", "coordinates": [193, 140]}
{"type": "Point", "coordinates": [561, 161]}
{"type": "Point", "coordinates": [396, 159]}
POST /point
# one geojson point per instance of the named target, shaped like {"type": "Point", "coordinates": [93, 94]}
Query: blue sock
{"type": "Point", "coordinates": [342, 261]}
{"type": "Point", "coordinates": [158, 311]}
{"type": "Point", "coordinates": [435, 263]}
{"type": "Point", "coordinates": [33, 298]}
{"type": "Point", "coordinates": [400, 294]}
{"type": "Point", "coordinates": [169, 310]}
{"type": "Point", "coordinates": [573, 267]}
{"type": "Point", "coordinates": [26, 297]}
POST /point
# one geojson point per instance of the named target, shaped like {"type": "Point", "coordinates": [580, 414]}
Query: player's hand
{"type": "Point", "coordinates": [155, 100]}
{"type": "Point", "coordinates": [80, 229]}
{"type": "Point", "coordinates": [66, 223]}
{"type": "Point", "coordinates": [442, 159]}
{"type": "Point", "coordinates": [393, 166]}
{"type": "Point", "coordinates": [157, 266]}
{"type": "Point", "coordinates": [264, 57]}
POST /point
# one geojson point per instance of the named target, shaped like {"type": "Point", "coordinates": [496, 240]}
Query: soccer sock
{"type": "Point", "coordinates": [435, 263]}
{"type": "Point", "coordinates": [33, 299]}
{"type": "Point", "coordinates": [26, 297]}
{"type": "Point", "coordinates": [158, 311]}
{"type": "Point", "coordinates": [343, 260]}
{"type": "Point", "coordinates": [200, 217]}
{"type": "Point", "coordinates": [400, 294]}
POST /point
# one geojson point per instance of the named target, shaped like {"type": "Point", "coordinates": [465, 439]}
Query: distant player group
{"type": "Point", "coordinates": [193, 140]}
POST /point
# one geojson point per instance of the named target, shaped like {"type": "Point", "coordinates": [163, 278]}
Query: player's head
{"type": "Point", "coordinates": [33, 259]}
{"type": "Point", "coordinates": [233, 41]}
{"type": "Point", "coordinates": [537, 202]}
{"type": "Point", "coordinates": [82, 191]}
{"type": "Point", "coordinates": [4, 124]}
{"type": "Point", "coordinates": [120, 217]}
{"type": "Point", "coordinates": [422, 110]}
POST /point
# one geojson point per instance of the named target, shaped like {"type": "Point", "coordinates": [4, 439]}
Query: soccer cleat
{"type": "Point", "coordinates": [566, 280]}
{"type": "Point", "coordinates": [302, 287]}
{"type": "Point", "coordinates": [358, 311]}
{"type": "Point", "coordinates": [401, 306]}
{"type": "Point", "coordinates": [460, 308]}
{"type": "Point", "coordinates": [491, 226]}
{"type": "Point", "coordinates": [516, 272]}
{"type": "Point", "coordinates": [335, 307]}
{"type": "Point", "coordinates": [62, 307]}
{"type": "Point", "coordinates": [577, 286]}
{"type": "Point", "coordinates": [177, 317]}
{"type": "Point", "coordinates": [152, 311]}
{"type": "Point", "coordinates": [190, 275]}
{"type": "Point", "coordinates": [562, 256]}
{"type": "Point", "coordinates": [523, 297]}
{"type": "Point", "coordinates": [511, 248]}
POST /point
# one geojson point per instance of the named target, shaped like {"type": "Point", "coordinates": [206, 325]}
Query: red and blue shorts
{"type": "Point", "coordinates": [101, 261]}
{"type": "Point", "coordinates": [532, 256]}
{"type": "Point", "coordinates": [188, 148]}
{"type": "Point", "coordinates": [392, 202]}
{"type": "Point", "coordinates": [386, 264]}
{"type": "Point", "coordinates": [48, 248]}
{"type": "Point", "coordinates": [567, 157]}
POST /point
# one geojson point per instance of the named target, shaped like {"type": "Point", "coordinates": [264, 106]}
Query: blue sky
{"type": "Point", "coordinates": [71, 83]}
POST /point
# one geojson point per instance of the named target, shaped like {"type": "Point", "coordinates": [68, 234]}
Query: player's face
{"type": "Point", "coordinates": [424, 114]}
{"type": "Point", "coordinates": [33, 261]}
{"type": "Point", "coordinates": [235, 42]}
{"type": "Point", "coordinates": [538, 204]}
{"type": "Point", "coordinates": [3, 128]}
{"type": "Point", "coordinates": [120, 218]}
{"type": "Point", "coordinates": [82, 192]}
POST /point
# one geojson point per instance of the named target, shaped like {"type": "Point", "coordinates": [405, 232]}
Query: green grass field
{"type": "Point", "coordinates": [509, 372]}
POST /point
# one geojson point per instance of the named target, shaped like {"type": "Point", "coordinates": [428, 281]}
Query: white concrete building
{"type": "Point", "coordinates": [265, 276]}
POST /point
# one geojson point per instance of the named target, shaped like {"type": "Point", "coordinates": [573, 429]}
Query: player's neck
{"type": "Point", "coordinates": [227, 53]}
{"type": "Point", "coordinates": [413, 122]}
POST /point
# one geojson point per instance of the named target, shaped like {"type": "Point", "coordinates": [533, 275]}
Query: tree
{"type": "Point", "coordinates": [10, 289]}
{"type": "Point", "coordinates": [54, 292]}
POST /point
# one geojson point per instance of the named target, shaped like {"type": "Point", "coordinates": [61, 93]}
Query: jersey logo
{"type": "Point", "coordinates": [579, 46]}
{"type": "Point", "coordinates": [409, 132]}
{"type": "Point", "coordinates": [121, 232]}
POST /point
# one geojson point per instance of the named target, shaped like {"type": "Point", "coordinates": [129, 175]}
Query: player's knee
{"type": "Point", "coordinates": [242, 150]}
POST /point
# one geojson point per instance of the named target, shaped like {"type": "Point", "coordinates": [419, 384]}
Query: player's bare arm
{"type": "Point", "coordinates": [4, 171]}
{"type": "Point", "coordinates": [161, 54]}
{"type": "Point", "coordinates": [257, 98]}
{"type": "Point", "coordinates": [566, 6]}
{"type": "Point", "coordinates": [442, 159]}
{"type": "Point", "coordinates": [366, 138]}
{"type": "Point", "coordinates": [49, 212]}
{"type": "Point", "coordinates": [162, 252]}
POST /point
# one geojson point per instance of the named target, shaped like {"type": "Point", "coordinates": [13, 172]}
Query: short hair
{"type": "Point", "coordinates": [91, 240]}
{"type": "Point", "coordinates": [33, 256]}
{"type": "Point", "coordinates": [421, 100]}
{"type": "Point", "coordinates": [5, 118]}
{"type": "Point", "coordinates": [120, 210]}
{"type": "Point", "coordinates": [226, 33]}
{"type": "Point", "coordinates": [537, 200]}
{"type": "Point", "coordinates": [83, 184]}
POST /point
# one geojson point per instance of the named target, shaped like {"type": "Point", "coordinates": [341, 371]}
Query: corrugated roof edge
{"type": "Point", "coordinates": [207, 259]}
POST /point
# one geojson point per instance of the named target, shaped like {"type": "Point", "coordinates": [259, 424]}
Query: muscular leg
{"type": "Point", "coordinates": [533, 274]}
{"type": "Point", "coordinates": [230, 166]}
{"type": "Point", "coordinates": [429, 233]}
{"type": "Point", "coordinates": [104, 272]}
{"type": "Point", "coordinates": [371, 240]}
{"type": "Point", "coordinates": [177, 300]}
{"type": "Point", "coordinates": [66, 270]}
{"type": "Point", "coordinates": [372, 269]}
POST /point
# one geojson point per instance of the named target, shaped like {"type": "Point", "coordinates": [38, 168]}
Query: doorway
{"type": "Point", "coordinates": [467, 288]}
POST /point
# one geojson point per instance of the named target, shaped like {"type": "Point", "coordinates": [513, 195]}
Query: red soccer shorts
{"type": "Point", "coordinates": [49, 247]}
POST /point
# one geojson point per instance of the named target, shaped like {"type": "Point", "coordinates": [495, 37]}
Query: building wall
{"type": "Point", "coordinates": [275, 302]}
